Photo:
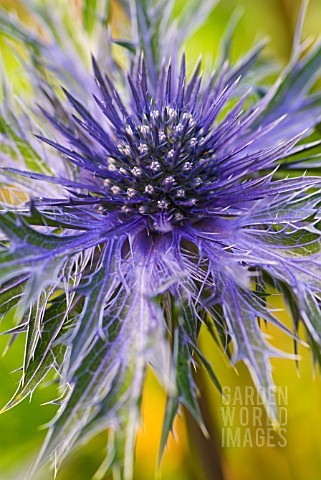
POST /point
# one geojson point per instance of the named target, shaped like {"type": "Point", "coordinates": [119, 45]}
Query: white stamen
{"type": "Point", "coordinates": [169, 180]}
{"type": "Point", "coordinates": [197, 181]}
{"type": "Point", "coordinates": [149, 189]}
{"type": "Point", "coordinates": [187, 116]}
{"type": "Point", "coordinates": [123, 170]}
{"type": "Point", "coordinates": [125, 209]}
{"type": "Point", "coordinates": [171, 154]}
{"type": "Point", "coordinates": [193, 141]}
{"type": "Point", "coordinates": [161, 136]}
{"type": "Point", "coordinates": [155, 166]}
{"type": "Point", "coordinates": [178, 216]}
{"type": "Point", "coordinates": [131, 192]}
{"type": "Point", "coordinates": [171, 112]}
{"type": "Point", "coordinates": [107, 182]}
{"type": "Point", "coordinates": [154, 114]}
{"type": "Point", "coordinates": [162, 203]}
{"type": "Point", "coordinates": [143, 148]}
{"type": "Point", "coordinates": [129, 130]}
{"type": "Point", "coordinates": [180, 193]}
{"type": "Point", "coordinates": [187, 166]}
{"type": "Point", "coordinates": [179, 128]}
{"type": "Point", "coordinates": [136, 171]}
{"type": "Point", "coordinates": [125, 149]}
{"type": "Point", "coordinates": [142, 209]}
{"type": "Point", "coordinates": [144, 129]}
{"type": "Point", "coordinates": [115, 189]}
{"type": "Point", "coordinates": [112, 165]}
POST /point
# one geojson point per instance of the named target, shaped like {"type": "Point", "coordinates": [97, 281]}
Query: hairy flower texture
{"type": "Point", "coordinates": [163, 203]}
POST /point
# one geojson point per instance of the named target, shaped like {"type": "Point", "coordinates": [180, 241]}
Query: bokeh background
{"type": "Point", "coordinates": [188, 456]}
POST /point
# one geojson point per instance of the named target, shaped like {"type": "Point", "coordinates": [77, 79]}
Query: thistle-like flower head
{"type": "Point", "coordinates": [163, 158]}
{"type": "Point", "coordinates": [162, 203]}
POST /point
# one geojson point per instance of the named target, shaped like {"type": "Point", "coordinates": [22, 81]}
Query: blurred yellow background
{"type": "Point", "coordinates": [186, 459]}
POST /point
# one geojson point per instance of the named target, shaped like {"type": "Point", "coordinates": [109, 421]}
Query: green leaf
{"type": "Point", "coordinates": [32, 160]}
{"type": "Point", "coordinates": [45, 355]}
{"type": "Point", "coordinates": [11, 293]}
{"type": "Point", "coordinates": [20, 233]}
{"type": "Point", "coordinates": [294, 82]}
{"type": "Point", "coordinates": [89, 14]}
{"type": "Point", "coordinates": [130, 46]}
{"type": "Point", "coordinates": [14, 30]}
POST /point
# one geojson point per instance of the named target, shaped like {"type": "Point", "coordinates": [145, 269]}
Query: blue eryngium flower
{"type": "Point", "coordinates": [165, 207]}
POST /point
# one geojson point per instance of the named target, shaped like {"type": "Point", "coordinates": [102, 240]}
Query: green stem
{"type": "Point", "coordinates": [206, 453]}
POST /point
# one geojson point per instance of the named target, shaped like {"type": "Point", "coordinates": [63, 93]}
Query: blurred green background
{"type": "Point", "coordinates": [189, 456]}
